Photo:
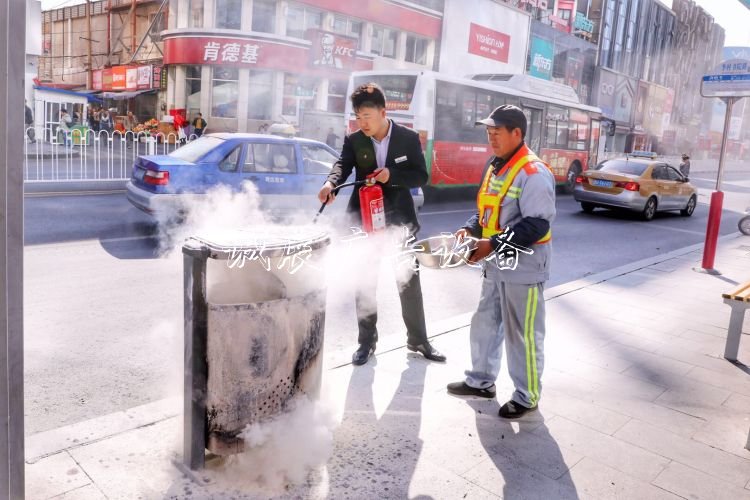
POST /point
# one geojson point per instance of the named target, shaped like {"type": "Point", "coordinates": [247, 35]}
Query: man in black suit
{"type": "Point", "coordinates": [394, 155]}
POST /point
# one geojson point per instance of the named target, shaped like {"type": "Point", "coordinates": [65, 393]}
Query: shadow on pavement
{"type": "Point", "coordinates": [376, 458]}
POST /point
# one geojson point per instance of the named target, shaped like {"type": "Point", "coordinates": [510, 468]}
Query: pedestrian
{"type": "Point", "coordinates": [331, 138]}
{"type": "Point", "coordinates": [130, 121]}
{"type": "Point", "coordinates": [64, 125]}
{"type": "Point", "coordinates": [199, 125]}
{"type": "Point", "coordinates": [94, 119]}
{"type": "Point", "coordinates": [365, 152]}
{"type": "Point", "coordinates": [685, 165]}
{"type": "Point", "coordinates": [516, 205]}
{"type": "Point", "coordinates": [105, 121]}
{"type": "Point", "coordinates": [29, 121]}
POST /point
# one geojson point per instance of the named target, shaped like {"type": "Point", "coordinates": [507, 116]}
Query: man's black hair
{"type": "Point", "coordinates": [368, 95]}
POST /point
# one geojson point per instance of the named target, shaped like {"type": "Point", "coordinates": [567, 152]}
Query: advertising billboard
{"type": "Point", "coordinates": [483, 37]}
{"type": "Point", "coordinates": [542, 57]}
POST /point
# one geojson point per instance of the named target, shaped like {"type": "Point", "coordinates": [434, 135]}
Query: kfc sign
{"type": "Point", "coordinates": [488, 43]}
{"type": "Point", "coordinates": [332, 51]}
{"type": "Point", "coordinates": [231, 52]}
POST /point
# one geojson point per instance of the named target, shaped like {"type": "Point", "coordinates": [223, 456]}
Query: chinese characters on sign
{"type": "Point", "coordinates": [231, 52]}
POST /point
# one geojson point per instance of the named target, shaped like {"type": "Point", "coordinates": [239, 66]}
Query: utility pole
{"type": "Point", "coordinates": [90, 75]}
{"type": "Point", "coordinates": [132, 26]}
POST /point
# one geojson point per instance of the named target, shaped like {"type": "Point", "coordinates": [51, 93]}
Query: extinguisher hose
{"type": "Point", "coordinates": [335, 191]}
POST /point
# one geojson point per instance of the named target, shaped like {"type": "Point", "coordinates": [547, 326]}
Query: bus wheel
{"type": "Point", "coordinates": [570, 182]}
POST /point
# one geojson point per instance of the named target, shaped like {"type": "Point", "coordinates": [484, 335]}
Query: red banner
{"type": "Point", "coordinates": [119, 78]}
{"type": "Point", "coordinates": [244, 52]}
{"type": "Point", "coordinates": [489, 43]}
{"type": "Point", "coordinates": [332, 51]}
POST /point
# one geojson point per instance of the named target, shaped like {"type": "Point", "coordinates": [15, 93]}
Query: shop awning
{"type": "Point", "coordinates": [121, 96]}
{"type": "Point", "coordinates": [87, 94]}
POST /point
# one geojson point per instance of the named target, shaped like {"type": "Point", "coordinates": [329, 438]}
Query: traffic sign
{"type": "Point", "coordinates": [729, 79]}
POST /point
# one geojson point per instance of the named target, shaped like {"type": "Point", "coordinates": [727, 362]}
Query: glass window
{"type": "Point", "coordinates": [557, 127]}
{"type": "Point", "coordinates": [195, 14]}
{"type": "Point", "coordinates": [300, 19]}
{"type": "Point", "coordinates": [228, 14]}
{"type": "Point", "coordinates": [197, 149]}
{"type": "Point", "coordinates": [578, 131]}
{"type": "Point", "coordinates": [456, 110]}
{"type": "Point", "coordinates": [317, 160]}
{"type": "Point", "coordinates": [277, 158]}
{"type": "Point", "coordinates": [249, 165]}
{"type": "Point", "coordinates": [264, 16]}
{"type": "Point", "coordinates": [193, 89]}
{"type": "Point", "coordinates": [336, 95]}
{"type": "Point", "coordinates": [384, 41]}
{"type": "Point", "coordinates": [399, 89]}
{"type": "Point", "coordinates": [416, 49]}
{"type": "Point", "coordinates": [229, 163]}
{"type": "Point", "coordinates": [348, 27]}
{"type": "Point", "coordinates": [260, 95]}
{"type": "Point", "coordinates": [622, 167]}
{"type": "Point", "coordinates": [297, 87]}
{"type": "Point", "coordinates": [673, 174]}
{"type": "Point", "coordinates": [224, 92]}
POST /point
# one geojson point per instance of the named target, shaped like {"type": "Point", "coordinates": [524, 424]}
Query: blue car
{"type": "Point", "coordinates": [288, 172]}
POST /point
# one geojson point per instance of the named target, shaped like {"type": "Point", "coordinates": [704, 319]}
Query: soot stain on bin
{"type": "Point", "coordinates": [312, 343]}
{"type": "Point", "coordinates": [258, 358]}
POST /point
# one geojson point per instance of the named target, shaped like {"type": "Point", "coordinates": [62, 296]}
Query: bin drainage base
{"type": "Point", "coordinates": [224, 446]}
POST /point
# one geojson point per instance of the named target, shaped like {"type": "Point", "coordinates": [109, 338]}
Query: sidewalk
{"type": "Point", "coordinates": [637, 403]}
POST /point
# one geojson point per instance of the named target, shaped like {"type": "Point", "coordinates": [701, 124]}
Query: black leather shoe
{"type": "Point", "coordinates": [427, 351]}
{"type": "Point", "coordinates": [511, 410]}
{"type": "Point", "coordinates": [463, 389]}
{"type": "Point", "coordinates": [362, 354]}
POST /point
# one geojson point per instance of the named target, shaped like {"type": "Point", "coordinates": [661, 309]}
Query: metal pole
{"type": "Point", "coordinates": [717, 198]}
{"type": "Point", "coordinates": [90, 72]}
{"type": "Point", "coordinates": [729, 101]}
{"type": "Point", "coordinates": [12, 64]}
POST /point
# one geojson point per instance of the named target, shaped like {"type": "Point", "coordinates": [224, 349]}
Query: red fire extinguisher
{"type": "Point", "coordinates": [372, 207]}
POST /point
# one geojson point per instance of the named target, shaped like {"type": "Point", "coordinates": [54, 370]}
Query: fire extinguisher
{"type": "Point", "coordinates": [371, 206]}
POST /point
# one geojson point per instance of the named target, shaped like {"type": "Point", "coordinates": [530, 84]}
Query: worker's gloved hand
{"type": "Point", "coordinates": [484, 248]}
{"type": "Point", "coordinates": [461, 234]}
{"type": "Point", "coordinates": [326, 194]}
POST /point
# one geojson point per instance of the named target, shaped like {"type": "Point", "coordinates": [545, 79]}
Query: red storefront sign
{"type": "Point", "coordinates": [489, 43]}
{"type": "Point", "coordinates": [124, 78]}
{"type": "Point", "coordinates": [144, 77]}
{"type": "Point", "coordinates": [332, 51]}
{"type": "Point", "coordinates": [246, 52]}
{"type": "Point", "coordinates": [119, 78]}
{"type": "Point", "coordinates": [96, 80]}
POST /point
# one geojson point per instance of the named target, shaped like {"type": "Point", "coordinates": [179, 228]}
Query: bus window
{"type": "Point", "coordinates": [578, 135]}
{"type": "Point", "coordinates": [399, 89]}
{"type": "Point", "coordinates": [534, 127]}
{"type": "Point", "coordinates": [455, 114]}
{"type": "Point", "coordinates": [468, 108]}
{"type": "Point", "coordinates": [484, 105]}
{"type": "Point", "coordinates": [557, 127]}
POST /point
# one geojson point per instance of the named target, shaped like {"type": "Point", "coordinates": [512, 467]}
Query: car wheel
{"type": "Point", "coordinates": [689, 208]}
{"type": "Point", "coordinates": [587, 207]}
{"type": "Point", "coordinates": [650, 209]}
{"type": "Point", "coordinates": [744, 225]}
{"type": "Point", "coordinates": [570, 181]}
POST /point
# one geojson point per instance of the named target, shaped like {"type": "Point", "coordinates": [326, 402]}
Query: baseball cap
{"type": "Point", "coordinates": [507, 114]}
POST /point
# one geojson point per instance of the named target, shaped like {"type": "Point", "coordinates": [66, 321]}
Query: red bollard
{"type": "Point", "coordinates": [712, 230]}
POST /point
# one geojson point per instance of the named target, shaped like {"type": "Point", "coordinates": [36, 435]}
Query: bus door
{"type": "Point", "coordinates": [594, 146]}
{"type": "Point", "coordinates": [534, 128]}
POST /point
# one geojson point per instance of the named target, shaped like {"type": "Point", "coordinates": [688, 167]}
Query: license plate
{"type": "Point", "coordinates": [601, 183]}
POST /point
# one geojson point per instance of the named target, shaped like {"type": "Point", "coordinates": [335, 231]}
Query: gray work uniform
{"type": "Point", "coordinates": [511, 305]}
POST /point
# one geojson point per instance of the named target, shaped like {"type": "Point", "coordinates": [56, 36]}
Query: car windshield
{"type": "Point", "coordinates": [195, 150]}
{"type": "Point", "coordinates": [622, 167]}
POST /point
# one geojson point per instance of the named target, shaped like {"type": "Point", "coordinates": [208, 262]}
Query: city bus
{"type": "Point", "coordinates": [443, 109]}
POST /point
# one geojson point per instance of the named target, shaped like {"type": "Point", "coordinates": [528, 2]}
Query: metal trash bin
{"type": "Point", "coordinates": [254, 324]}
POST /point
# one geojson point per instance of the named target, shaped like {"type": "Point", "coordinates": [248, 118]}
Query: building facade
{"type": "Point", "coordinates": [247, 63]}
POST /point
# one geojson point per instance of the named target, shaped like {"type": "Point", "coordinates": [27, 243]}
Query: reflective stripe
{"type": "Point", "coordinates": [532, 376]}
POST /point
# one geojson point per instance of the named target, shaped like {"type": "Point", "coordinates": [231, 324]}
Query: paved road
{"type": "Point", "coordinates": [104, 302]}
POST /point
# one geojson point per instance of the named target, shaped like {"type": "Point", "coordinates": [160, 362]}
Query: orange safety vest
{"type": "Point", "coordinates": [490, 203]}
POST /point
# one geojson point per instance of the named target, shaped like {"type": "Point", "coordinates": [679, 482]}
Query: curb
{"type": "Point", "coordinates": [101, 186]}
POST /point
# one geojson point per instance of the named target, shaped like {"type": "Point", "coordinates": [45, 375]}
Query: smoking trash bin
{"type": "Point", "coordinates": [254, 324]}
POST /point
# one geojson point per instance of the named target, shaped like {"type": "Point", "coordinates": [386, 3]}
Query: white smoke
{"type": "Point", "coordinates": [282, 452]}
